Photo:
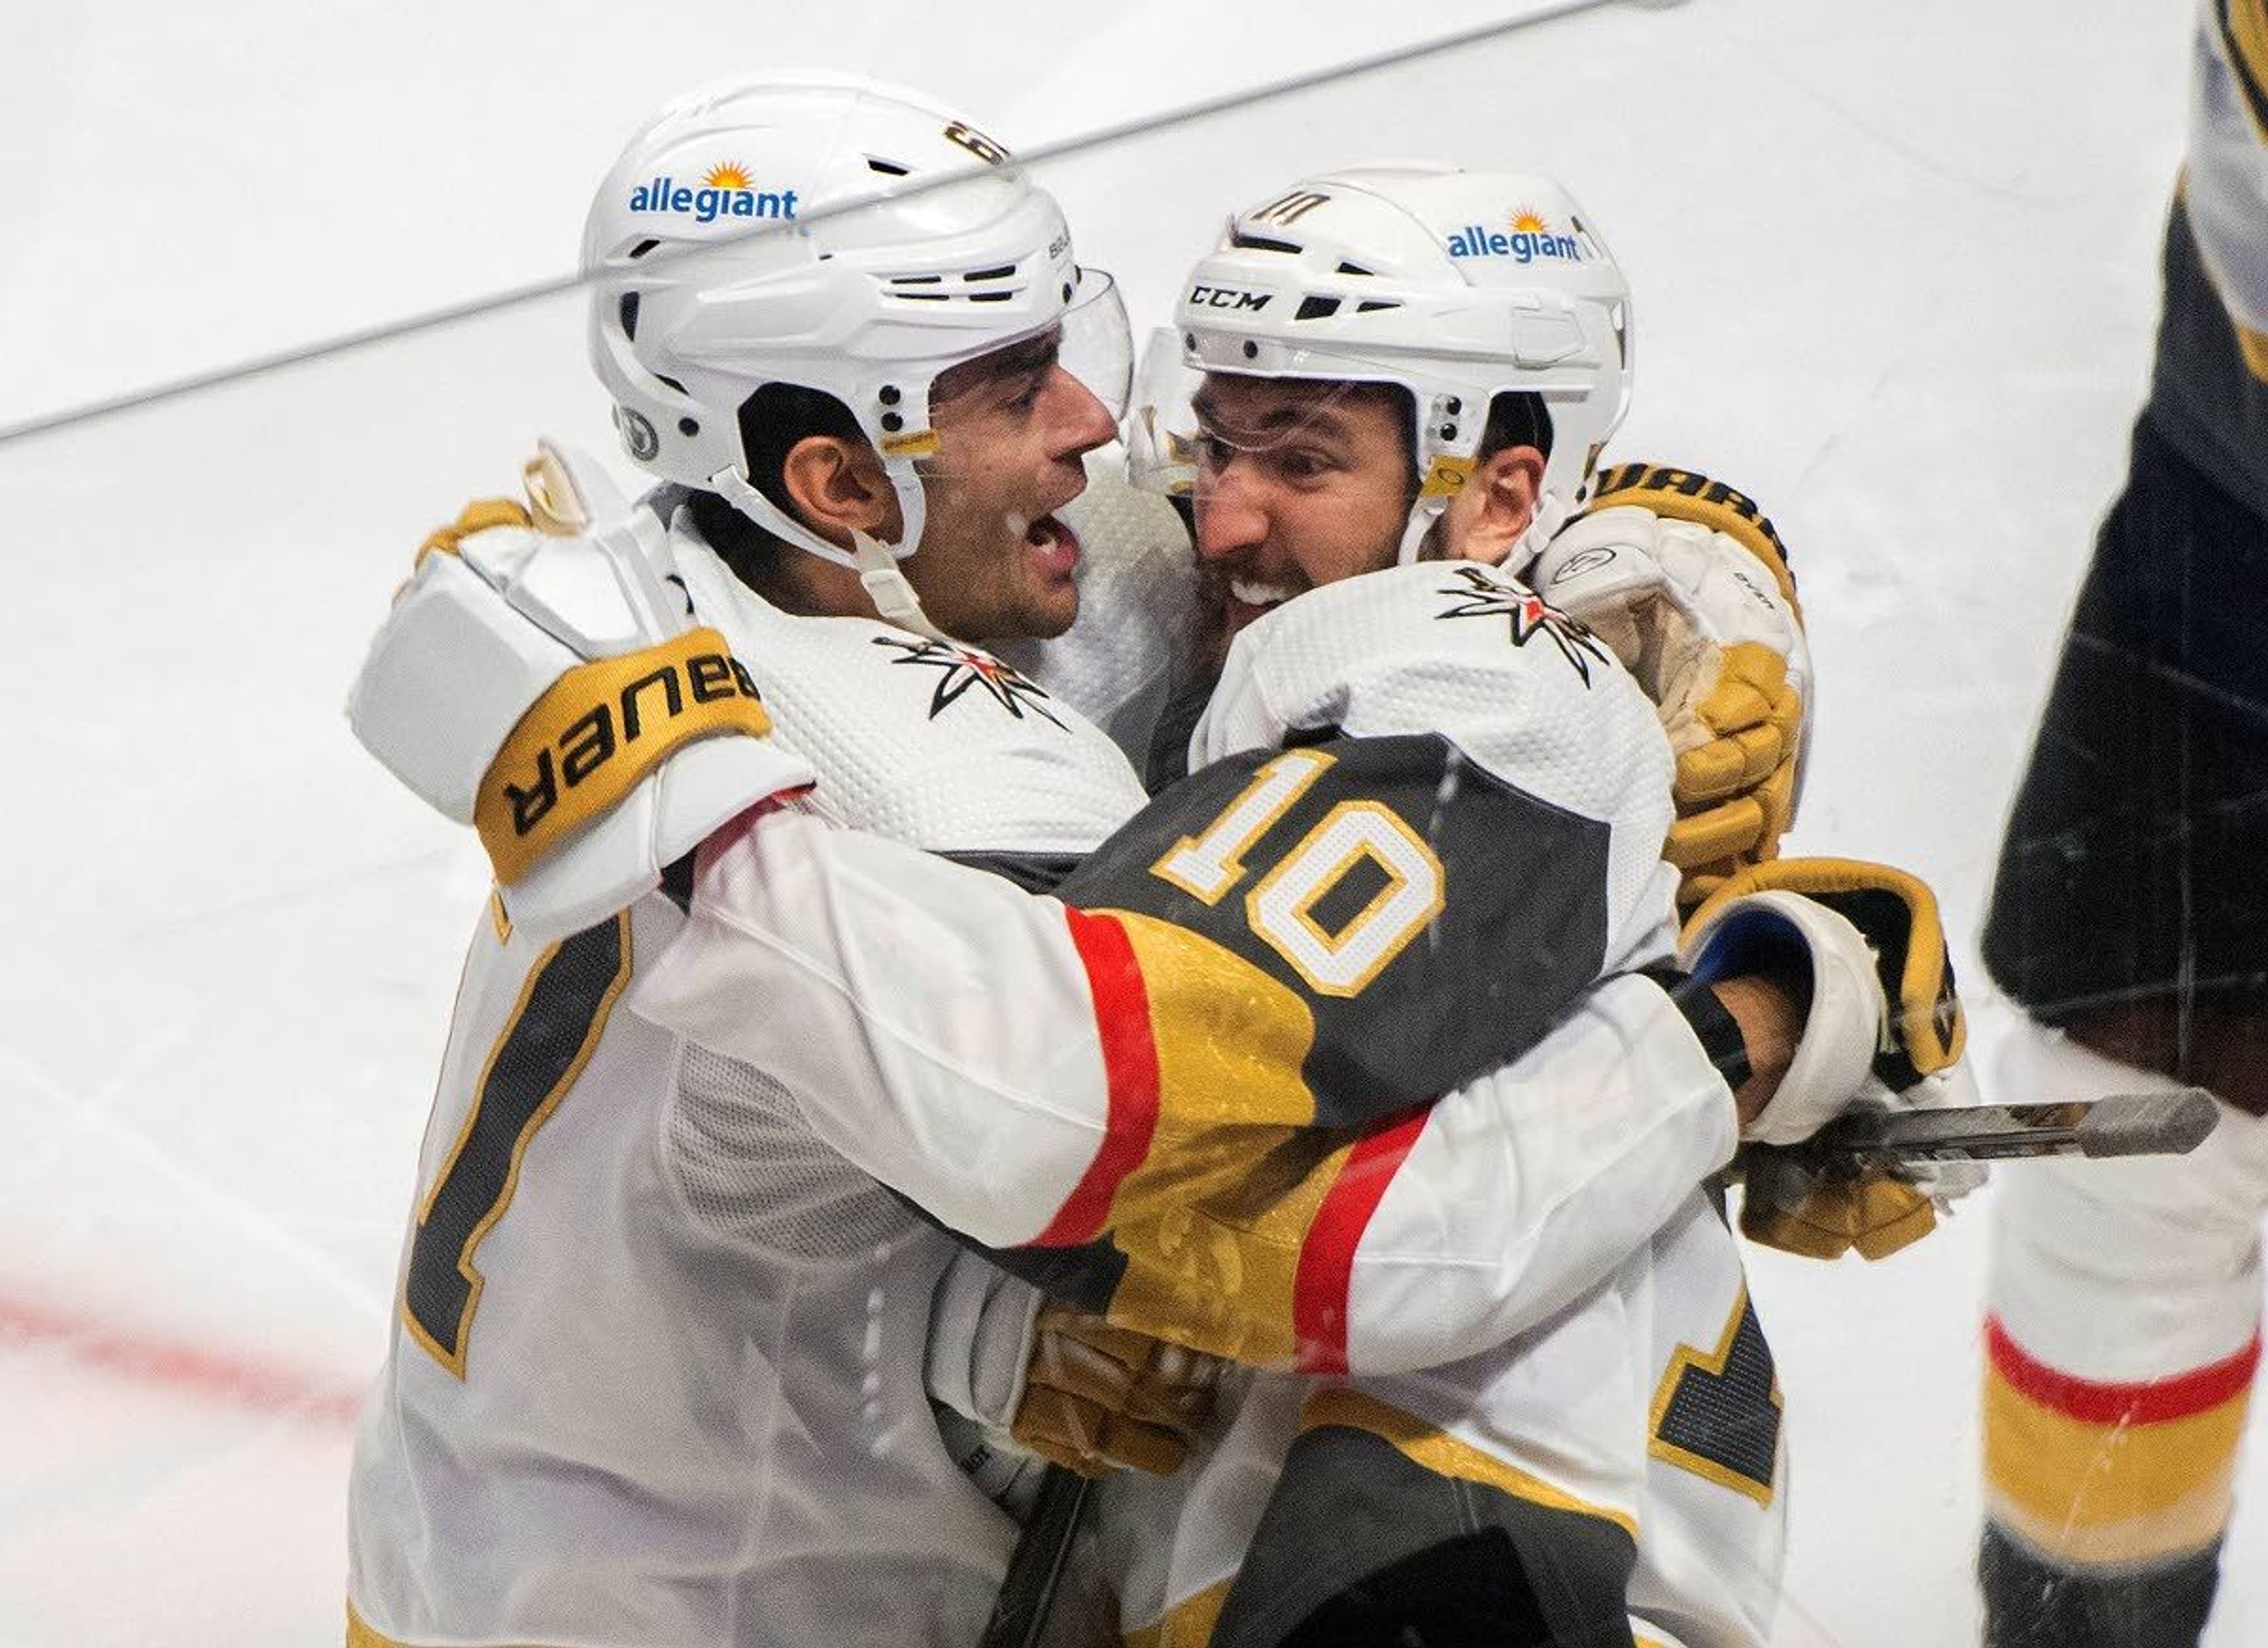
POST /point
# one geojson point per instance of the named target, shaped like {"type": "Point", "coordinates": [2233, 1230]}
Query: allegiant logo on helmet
{"type": "Point", "coordinates": [1531, 237]}
{"type": "Point", "coordinates": [726, 193]}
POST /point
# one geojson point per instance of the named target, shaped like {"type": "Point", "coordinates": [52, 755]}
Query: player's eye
{"type": "Point", "coordinates": [1214, 452]}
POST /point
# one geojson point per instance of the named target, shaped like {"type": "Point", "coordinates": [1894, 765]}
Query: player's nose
{"type": "Point", "coordinates": [1231, 514]}
{"type": "Point", "coordinates": [1082, 422]}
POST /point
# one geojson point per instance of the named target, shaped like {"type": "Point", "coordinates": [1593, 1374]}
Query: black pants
{"type": "Point", "coordinates": [2135, 867]}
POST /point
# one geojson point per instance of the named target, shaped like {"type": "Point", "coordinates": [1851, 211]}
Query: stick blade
{"type": "Point", "coordinates": [2148, 1124]}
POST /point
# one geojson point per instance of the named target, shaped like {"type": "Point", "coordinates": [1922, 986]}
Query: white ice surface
{"type": "Point", "coordinates": [1895, 269]}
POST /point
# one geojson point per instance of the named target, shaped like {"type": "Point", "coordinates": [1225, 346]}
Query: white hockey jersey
{"type": "Point", "coordinates": [1291, 952]}
{"type": "Point", "coordinates": [1637, 1425]}
{"type": "Point", "coordinates": [1382, 912]}
{"type": "Point", "coordinates": [657, 1371]}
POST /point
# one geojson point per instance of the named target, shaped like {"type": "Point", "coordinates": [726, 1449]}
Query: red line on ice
{"type": "Point", "coordinates": [211, 1374]}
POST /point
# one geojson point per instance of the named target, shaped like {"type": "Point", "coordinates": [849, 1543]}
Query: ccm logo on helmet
{"type": "Point", "coordinates": [1229, 297]}
{"type": "Point", "coordinates": [1531, 237]}
{"type": "Point", "coordinates": [725, 193]}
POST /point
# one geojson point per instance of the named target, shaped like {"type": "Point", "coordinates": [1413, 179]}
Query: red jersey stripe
{"type": "Point", "coordinates": [2146, 1401]}
{"type": "Point", "coordinates": [1319, 1294]}
{"type": "Point", "coordinates": [1130, 1065]}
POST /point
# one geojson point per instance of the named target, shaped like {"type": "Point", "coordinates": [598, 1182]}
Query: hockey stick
{"type": "Point", "coordinates": [2124, 1124]}
{"type": "Point", "coordinates": [1028, 1590]}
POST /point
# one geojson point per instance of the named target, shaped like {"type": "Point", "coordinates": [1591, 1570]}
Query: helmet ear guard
{"type": "Point", "coordinates": [1395, 275]}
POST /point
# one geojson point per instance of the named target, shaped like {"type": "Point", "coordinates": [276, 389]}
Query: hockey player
{"type": "Point", "coordinates": [781, 911]}
{"type": "Point", "coordinates": [685, 787]}
{"type": "Point", "coordinates": [658, 1375]}
{"type": "Point", "coordinates": [712, 1426]}
{"type": "Point", "coordinates": [2129, 921]}
{"type": "Point", "coordinates": [1363, 404]}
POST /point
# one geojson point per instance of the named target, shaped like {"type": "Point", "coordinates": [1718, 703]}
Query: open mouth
{"type": "Point", "coordinates": [1248, 598]}
{"type": "Point", "coordinates": [1252, 592]}
{"type": "Point", "coordinates": [1054, 545]}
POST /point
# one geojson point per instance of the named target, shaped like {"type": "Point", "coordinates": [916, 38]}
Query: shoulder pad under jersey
{"type": "Point", "coordinates": [933, 743]}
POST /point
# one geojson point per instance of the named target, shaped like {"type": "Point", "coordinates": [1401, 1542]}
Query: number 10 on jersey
{"type": "Point", "coordinates": [1290, 905]}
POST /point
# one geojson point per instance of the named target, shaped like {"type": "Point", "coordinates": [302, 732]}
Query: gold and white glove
{"type": "Point", "coordinates": [1043, 1380]}
{"type": "Point", "coordinates": [1686, 580]}
{"type": "Point", "coordinates": [1099, 1398]}
{"type": "Point", "coordinates": [1884, 1030]}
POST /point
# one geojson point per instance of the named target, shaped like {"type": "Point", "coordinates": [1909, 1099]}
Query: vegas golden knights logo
{"type": "Point", "coordinates": [1287, 209]}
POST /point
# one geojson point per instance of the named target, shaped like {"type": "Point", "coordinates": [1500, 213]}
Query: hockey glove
{"type": "Point", "coordinates": [1099, 1398]}
{"type": "Point", "coordinates": [1048, 1381]}
{"type": "Point", "coordinates": [539, 678]}
{"type": "Point", "coordinates": [1690, 586]}
{"type": "Point", "coordinates": [1884, 1030]}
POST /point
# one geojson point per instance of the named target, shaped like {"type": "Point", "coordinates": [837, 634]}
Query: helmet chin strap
{"type": "Point", "coordinates": [875, 563]}
{"type": "Point", "coordinates": [1422, 514]}
{"type": "Point", "coordinates": [886, 588]}
{"type": "Point", "coordinates": [1551, 513]}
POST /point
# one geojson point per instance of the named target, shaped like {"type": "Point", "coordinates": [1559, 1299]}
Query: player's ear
{"type": "Point", "coordinates": [1485, 520]}
{"type": "Point", "coordinates": [839, 485]}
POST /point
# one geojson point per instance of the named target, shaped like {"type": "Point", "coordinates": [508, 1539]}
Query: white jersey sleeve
{"type": "Point", "coordinates": [1202, 1084]}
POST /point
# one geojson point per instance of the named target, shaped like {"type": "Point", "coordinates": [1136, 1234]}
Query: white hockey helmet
{"type": "Point", "coordinates": [1458, 286]}
{"type": "Point", "coordinates": [832, 232]}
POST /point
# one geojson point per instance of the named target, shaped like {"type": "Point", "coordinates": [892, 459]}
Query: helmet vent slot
{"type": "Point", "coordinates": [642, 248]}
{"type": "Point", "coordinates": [989, 296]}
{"type": "Point", "coordinates": [1002, 273]}
{"type": "Point", "coordinates": [916, 280]}
{"type": "Point", "coordinates": [1317, 308]}
{"type": "Point", "coordinates": [1370, 303]}
{"type": "Point", "coordinates": [628, 309]}
{"type": "Point", "coordinates": [887, 168]}
{"type": "Point", "coordinates": [1353, 269]}
{"type": "Point", "coordinates": [673, 383]}
{"type": "Point", "coordinates": [1261, 243]}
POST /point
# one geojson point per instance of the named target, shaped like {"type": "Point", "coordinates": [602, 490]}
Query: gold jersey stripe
{"type": "Point", "coordinates": [2254, 347]}
{"type": "Point", "coordinates": [2143, 1540]}
{"type": "Point", "coordinates": [598, 732]}
{"type": "Point", "coordinates": [2109, 1492]}
{"type": "Point", "coordinates": [1231, 1041]}
{"type": "Point", "coordinates": [1218, 1209]}
{"type": "Point", "coordinates": [1444, 1455]}
{"type": "Point", "coordinates": [1189, 1623]}
{"type": "Point", "coordinates": [2244, 27]}
{"type": "Point", "coordinates": [1213, 1238]}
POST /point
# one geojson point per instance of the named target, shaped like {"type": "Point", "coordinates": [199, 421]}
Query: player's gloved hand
{"type": "Point", "coordinates": [1099, 1398]}
{"type": "Point", "coordinates": [1688, 584]}
{"type": "Point", "coordinates": [539, 678]}
{"type": "Point", "coordinates": [1046, 1379]}
{"type": "Point", "coordinates": [1884, 1030]}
